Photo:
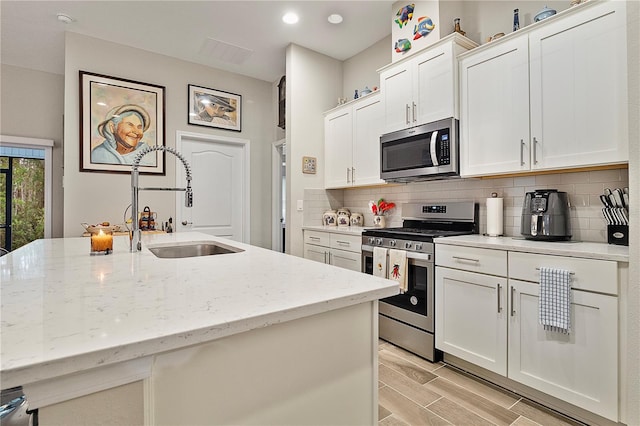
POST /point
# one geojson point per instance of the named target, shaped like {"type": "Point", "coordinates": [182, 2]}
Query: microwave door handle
{"type": "Point", "coordinates": [434, 154]}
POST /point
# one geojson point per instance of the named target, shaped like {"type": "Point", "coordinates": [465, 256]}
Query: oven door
{"type": "Point", "coordinates": [416, 306]}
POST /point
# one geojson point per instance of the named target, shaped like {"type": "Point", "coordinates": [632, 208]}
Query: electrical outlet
{"type": "Point", "coordinates": [299, 205]}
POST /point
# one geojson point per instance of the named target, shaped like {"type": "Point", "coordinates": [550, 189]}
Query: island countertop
{"type": "Point", "coordinates": [64, 311]}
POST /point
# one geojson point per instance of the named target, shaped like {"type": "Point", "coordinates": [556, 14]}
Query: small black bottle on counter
{"type": "Point", "coordinates": [516, 20]}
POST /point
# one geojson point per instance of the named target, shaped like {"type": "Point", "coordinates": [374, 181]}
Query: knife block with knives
{"type": "Point", "coordinates": [616, 213]}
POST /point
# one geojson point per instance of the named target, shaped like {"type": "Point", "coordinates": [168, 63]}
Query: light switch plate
{"type": "Point", "coordinates": [299, 205]}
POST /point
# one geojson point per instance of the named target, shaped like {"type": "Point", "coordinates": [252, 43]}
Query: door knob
{"type": "Point", "coordinates": [185, 223]}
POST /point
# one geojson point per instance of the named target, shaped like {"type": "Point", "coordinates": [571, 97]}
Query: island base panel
{"type": "Point", "coordinates": [320, 369]}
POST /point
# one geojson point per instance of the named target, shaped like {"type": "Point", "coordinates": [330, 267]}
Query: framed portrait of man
{"type": "Point", "coordinates": [214, 108]}
{"type": "Point", "coordinates": [119, 119]}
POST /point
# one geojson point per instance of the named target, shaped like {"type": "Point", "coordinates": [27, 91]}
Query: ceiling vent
{"type": "Point", "coordinates": [224, 51]}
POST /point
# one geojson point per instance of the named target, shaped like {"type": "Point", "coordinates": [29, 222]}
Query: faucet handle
{"type": "Point", "coordinates": [188, 197]}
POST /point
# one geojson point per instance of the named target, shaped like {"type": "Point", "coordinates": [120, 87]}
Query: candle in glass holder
{"type": "Point", "coordinates": [102, 242]}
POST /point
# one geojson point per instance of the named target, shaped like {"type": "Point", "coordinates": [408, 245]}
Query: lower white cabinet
{"type": "Point", "coordinates": [337, 249]}
{"type": "Point", "coordinates": [471, 317]}
{"type": "Point", "coordinates": [581, 367]}
{"type": "Point", "coordinates": [492, 321]}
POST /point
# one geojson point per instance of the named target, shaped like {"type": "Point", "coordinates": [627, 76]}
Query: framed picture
{"type": "Point", "coordinates": [214, 108]}
{"type": "Point", "coordinates": [119, 118]}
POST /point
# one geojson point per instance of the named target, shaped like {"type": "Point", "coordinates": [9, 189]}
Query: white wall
{"type": "Point", "coordinates": [97, 197]}
{"type": "Point", "coordinates": [361, 70]}
{"type": "Point", "coordinates": [633, 308]}
{"type": "Point", "coordinates": [31, 106]}
{"type": "Point", "coordinates": [314, 82]}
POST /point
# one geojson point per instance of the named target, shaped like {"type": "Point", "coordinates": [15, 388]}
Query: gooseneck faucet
{"type": "Point", "coordinates": [135, 234]}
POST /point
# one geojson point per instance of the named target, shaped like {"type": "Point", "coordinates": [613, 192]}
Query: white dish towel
{"type": "Point", "coordinates": [398, 268]}
{"type": "Point", "coordinates": [554, 307]}
{"type": "Point", "coordinates": [380, 262]}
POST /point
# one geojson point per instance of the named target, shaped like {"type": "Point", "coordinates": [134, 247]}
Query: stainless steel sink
{"type": "Point", "coordinates": [192, 249]}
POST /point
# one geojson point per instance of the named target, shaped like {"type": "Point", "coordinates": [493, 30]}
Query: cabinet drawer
{"type": "Point", "coordinates": [587, 274]}
{"type": "Point", "coordinates": [318, 238]}
{"type": "Point", "coordinates": [485, 261]}
{"type": "Point", "coordinates": [346, 242]}
{"type": "Point", "coordinates": [346, 259]}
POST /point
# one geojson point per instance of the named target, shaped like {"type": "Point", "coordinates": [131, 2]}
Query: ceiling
{"type": "Point", "coordinates": [244, 37]}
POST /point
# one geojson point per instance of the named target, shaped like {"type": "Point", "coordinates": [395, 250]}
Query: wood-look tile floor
{"type": "Point", "coordinates": [413, 391]}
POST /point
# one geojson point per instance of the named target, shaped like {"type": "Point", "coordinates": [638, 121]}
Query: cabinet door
{"type": "Point", "coordinates": [434, 85]}
{"type": "Point", "coordinates": [338, 140]}
{"type": "Point", "coordinates": [579, 89]}
{"type": "Point", "coordinates": [581, 367]}
{"type": "Point", "coordinates": [317, 253]}
{"type": "Point", "coordinates": [494, 110]}
{"type": "Point", "coordinates": [346, 259]}
{"type": "Point", "coordinates": [471, 321]}
{"type": "Point", "coordinates": [396, 91]}
{"type": "Point", "coordinates": [367, 128]}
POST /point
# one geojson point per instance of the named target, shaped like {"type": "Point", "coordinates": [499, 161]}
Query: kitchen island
{"type": "Point", "coordinates": [255, 337]}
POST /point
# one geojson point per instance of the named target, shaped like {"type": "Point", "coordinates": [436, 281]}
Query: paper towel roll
{"type": "Point", "coordinates": [494, 217]}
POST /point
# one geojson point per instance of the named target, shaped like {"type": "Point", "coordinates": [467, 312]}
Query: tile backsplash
{"type": "Point", "coordinates": [583, 188]}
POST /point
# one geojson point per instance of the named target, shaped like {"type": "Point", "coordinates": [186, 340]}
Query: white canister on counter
{"type": "Point", "coordinates": [495, 215]}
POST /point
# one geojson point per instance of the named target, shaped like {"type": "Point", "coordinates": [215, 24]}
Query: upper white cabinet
{"type": "Point", "coordinates": [423, 88]}
{"type": "Point", "coordinates": [352, 143]}
{"type": "Point", "coordinates": [549, 97]}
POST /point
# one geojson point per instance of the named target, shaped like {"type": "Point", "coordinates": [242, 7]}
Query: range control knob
{"type": "Point", "coordinates": [418, 246]}
{"type": "Point", "coordinates": [407, 245]}
{"type": "Point", "coordinates": [372, 240]}
{"type": "Point", "coordinates": [392, 243]}
{"type": "Point", "coordinates": [379, 241]}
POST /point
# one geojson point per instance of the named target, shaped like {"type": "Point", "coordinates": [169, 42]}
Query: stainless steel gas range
{"type": "Point", "coordinates": [407, 319]}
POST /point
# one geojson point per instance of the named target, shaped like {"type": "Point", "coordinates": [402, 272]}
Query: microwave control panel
{"type": "Point", "coordinates": [445, 148]}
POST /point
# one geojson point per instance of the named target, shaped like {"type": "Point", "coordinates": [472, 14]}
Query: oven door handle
{"type": "Point", "coordinates": [410, 254]}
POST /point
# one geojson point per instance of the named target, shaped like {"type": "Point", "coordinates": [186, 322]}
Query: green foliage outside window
{"type": "Point", "coordinates": [27, 199]}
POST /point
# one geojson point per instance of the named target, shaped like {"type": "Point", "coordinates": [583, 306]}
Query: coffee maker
{"type": "Point", "coordinates": [546, 216]}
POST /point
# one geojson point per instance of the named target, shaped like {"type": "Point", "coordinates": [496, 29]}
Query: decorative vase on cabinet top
{"type": "Point", "coordinates": [544, 13]}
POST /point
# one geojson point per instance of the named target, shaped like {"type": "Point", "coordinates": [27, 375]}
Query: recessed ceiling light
{"type": "Point", "coordinates": [62, 17]}
{"type": "Point", "coordinates": [335, 18]}
{"type": "Point", "coordinates": [290, 18]}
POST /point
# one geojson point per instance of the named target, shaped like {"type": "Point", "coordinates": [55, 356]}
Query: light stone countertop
{"type": "Point", "coordinates": [586, 250]}
{"type": "Point", "coordinates": [348, 230]}
{"type": "Point", "coordinates": [64, 311]}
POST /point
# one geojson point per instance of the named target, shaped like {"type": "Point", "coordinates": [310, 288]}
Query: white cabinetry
{"type": "Point", "coordinates": [423, 88]}
{"type": "Point", "coordinates": [490, 318]}
{"type": "Point", "coordinates": [580, 367]}
{"type": "Point", "coordinates": [334, 249]}
{"type": "Point", "coordinates": [352, 143]}
{"type": "Point", "coordinates": [548, 97]}
{"type": "Point", "coordinates": [471, 311]}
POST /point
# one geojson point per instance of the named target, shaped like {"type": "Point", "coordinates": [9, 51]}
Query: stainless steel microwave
{"type": "Point", "coordinates": [425, 152]}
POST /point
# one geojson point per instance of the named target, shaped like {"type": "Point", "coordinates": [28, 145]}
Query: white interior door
{"type": "Point", "coordinates": [220, 182]}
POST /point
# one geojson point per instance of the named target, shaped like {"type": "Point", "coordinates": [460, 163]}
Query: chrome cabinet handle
{"type": "Point", "coordinates": [348, 178]}
{"type": "Point", "coordinates": [499, 288]}
{"type": "Point", "coordinates": [413, 110]}
{"type": "Point", "coordinates": [325, 257]}
{"type": "Point", "coordinates": [406, 114]}
{"type": "Point", "coordinates": [353, 174]}
{"type": "Point", "coordinates": [185, 223]}
{"type": "Point", "coordinates": [513, 292]}
{"type": "Point", "coordinates": [343, 243]}
{"type": "Point", "coordinates": [466, 259]}
{"type": "Point", "coordinates": [522, 152]}
{"type": "Point", "coordinates": [314, 238]}
{"type": "Point", "coordinates": [535, 156]}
